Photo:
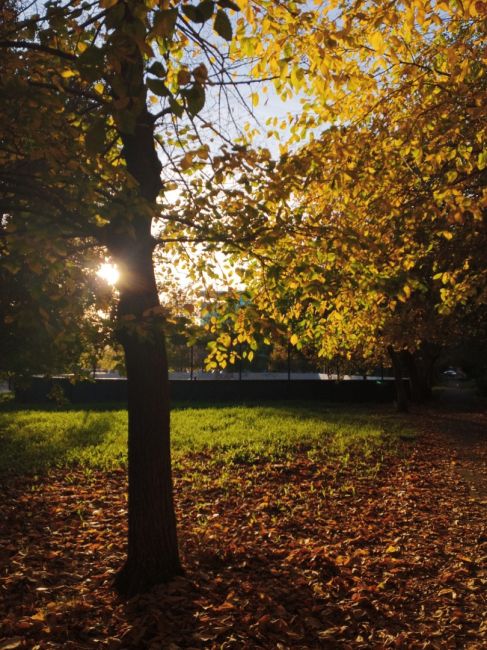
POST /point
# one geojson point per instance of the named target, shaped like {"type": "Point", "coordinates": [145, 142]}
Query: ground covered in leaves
{"type": "Point", "coordinates": [300, 552]}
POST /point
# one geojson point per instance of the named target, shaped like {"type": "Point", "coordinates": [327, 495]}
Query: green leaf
{"type": "Point", "coordinates": [91, 63]}
{"type": "Point", "coordinates": [206, 9]}
{"type": "Point", "coordinates": [228, 4]}
{"type": "Point", "coordinates": [195, 98]}
{"type": "Point", "coordinates": [223, 26]}
{"type": "Point", "coordinates": [158, 87]}
{"type": "Point", "coordinates": [191, 12]}
{"type": "Point", "coordinates": [157, 69]}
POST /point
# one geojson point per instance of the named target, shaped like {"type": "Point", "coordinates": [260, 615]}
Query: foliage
{"type": "Point", "coordinates": [50, 320]}
{"type": "Point", "coordinates": [416, 67]}
{"type": "Point", "coordinates": [379, 223]}
{"type": "Point", "coordinates": [346, 50]}
{"type": "Point", "coordinates": [67, 191]}
{"type": "Point", "coordinates": [50, 197]}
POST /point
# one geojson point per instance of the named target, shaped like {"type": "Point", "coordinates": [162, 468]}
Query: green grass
{"type": "Point", "coordinates": [36, 439]}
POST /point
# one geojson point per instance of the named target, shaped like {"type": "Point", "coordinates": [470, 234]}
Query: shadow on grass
{"type": "Point", "coordinates": [12, 405]}
{"type": "Point", "coordinates": [302, 408]}
{"type": "Point", "coordinates": [33, 439]}
{"type": "Point", "coordinates": [30, 452]}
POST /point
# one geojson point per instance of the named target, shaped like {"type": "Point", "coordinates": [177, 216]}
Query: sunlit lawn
{"type": "Point", "coordinates": [35, 439]}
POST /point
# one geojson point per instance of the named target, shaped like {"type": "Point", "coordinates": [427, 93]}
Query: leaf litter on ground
{"type": "Point", "coordinates": [298, 551]}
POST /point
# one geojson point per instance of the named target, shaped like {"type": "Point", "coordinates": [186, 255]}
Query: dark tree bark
{"type": "Point", "coordinates": [152, 554]}
{"type": "Point", "coordinates": [427, 377]}
{"type": "Point", "coordinates": [401, 393]}
{"type": "Point", "coordinates": [428, 355]}
{"type": "Point", "coordinates": [420, 367]}
{"type": "Point", "coordinates": [415, 384]}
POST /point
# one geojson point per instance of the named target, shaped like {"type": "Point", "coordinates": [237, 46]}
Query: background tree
{"type": "Point", "coordinates": [379, 225]}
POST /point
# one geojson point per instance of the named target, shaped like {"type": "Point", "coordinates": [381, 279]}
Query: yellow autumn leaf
{"type": "Point", "coordinates": [186, 161]}
{"type": "Point", "coordinates": [446, 234]}
{"type": "Point", "coordinates": [376, 41]}
{"type": "Point", "coordinates": [392, 549]}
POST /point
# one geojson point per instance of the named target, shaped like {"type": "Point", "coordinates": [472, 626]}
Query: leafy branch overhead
{"type": "Point", "coordinates": [379, 222]}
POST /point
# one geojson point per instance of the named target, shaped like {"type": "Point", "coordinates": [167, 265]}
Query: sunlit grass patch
{"type": "Point", "coordinates": [33, 440]}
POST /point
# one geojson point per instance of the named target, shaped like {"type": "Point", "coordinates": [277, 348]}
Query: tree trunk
{"type": "Point", "coordinates": [428, 377]}
{"type": "Point", "coordinates": [401, 394]}
{"type": "Point", "coordinates": [152, 555]}
{"type": "Point", "coordinates": [429, 353]}
{"type": "Point", "coordinates": [414, 374]}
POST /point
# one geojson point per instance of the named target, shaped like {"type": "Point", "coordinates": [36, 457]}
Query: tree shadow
{"type": "Point", "coordinates": [459, 426]}
{"type": "Point", "coordinates": [14, 405]}
{"type": "Point", "coordinates": [233, 600]}
{"type": "Point", "coordinates": [56, 585]}
{"type": "Point", "coordinates": [32, 453]}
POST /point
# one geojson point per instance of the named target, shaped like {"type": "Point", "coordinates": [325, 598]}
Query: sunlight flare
{"type": "Point", "coordinates": [109, 273]}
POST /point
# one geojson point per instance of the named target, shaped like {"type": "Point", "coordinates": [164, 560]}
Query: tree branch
{"type": "Point", "coordinates": [27, 45]}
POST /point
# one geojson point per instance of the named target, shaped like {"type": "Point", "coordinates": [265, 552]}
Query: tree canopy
{"type": "Point", "coordinates": [379, 222]}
